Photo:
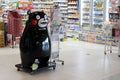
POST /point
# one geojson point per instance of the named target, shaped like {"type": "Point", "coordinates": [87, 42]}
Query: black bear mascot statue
{"type": "Point", "coordinates": [35, 41]}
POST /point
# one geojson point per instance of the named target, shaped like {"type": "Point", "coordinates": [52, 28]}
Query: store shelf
{"type": "Point", "coordinates": [73, 17]}
{"type": "Point", "coordinates": [63, 5]}
{"type": "Point", "coordinates": [64, 12]}
{"type": "Point", "coordinates": [72, 7]}
{"type": "Point", "coordinates": [86, 13]}
{"type": "Point", "coordinates": [98, 14]}
{"type": "Point", "coordinates": [74, 23]}
{"type": "Point", "coordinates": [48, 2]}
{"type": "Point", "coordinates": [72, 11]}
{"type": "Point", "coordinates": [72, 3]}
{"type": "Point", "coordinates": [61, 1]}
{"type": "Point", "coordinates": [64, 16]}
{"type": "Point", "coordinates": [36, 2]}
{"type": "Point", "coordinates": [63, 8]}
{"type": "Point", "coordinates": [3, 4]}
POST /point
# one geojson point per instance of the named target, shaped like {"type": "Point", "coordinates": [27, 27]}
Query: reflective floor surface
{"type": "Point", "coordinates": [83, 61]}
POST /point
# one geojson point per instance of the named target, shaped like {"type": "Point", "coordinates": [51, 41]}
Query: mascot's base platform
{"type": "Point", "coordinates": [50, 65]}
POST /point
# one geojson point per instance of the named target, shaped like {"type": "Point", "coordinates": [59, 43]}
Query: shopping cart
{"type": "Point", "coordinates": [112, 37]}
{"type": "Point", "coordinates": [55, 43]}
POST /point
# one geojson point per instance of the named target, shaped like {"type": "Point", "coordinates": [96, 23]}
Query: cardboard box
{"type": "Point", "coordinates": [2, 45]}
{"type": "Point", "coordinates": [1, 26]}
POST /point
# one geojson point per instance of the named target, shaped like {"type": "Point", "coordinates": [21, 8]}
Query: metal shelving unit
{"type": "Point", "coordinates": [73, 18]}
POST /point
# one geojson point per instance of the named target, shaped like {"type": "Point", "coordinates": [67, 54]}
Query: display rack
{"type": "Point", "coordinates": [1, 13]}
{"type": "Point", "coordinates": [2, 40]}
{"type": "Point", "coordinates": [2, 5]}
{"type": "Point", "coordinates": [63, 6]}
{"type": "Point", "coordinates": [73, 18]}
{"type": "Point", "coordinates": [45, 5]}
{"type": "Point", "coordinates": [63, 10]}
{"type": "Point", "coordinates": [93, 15]}
{"type": "Point", "coordinates": [86, 14]}
{"type": "Point", "coordinates": [98, 15]}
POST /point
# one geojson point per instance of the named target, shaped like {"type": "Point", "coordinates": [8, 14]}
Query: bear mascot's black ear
{"type": "Point", "coordinates": [43, 11]}
{"type": "Point", "coordinates": [29, 12]}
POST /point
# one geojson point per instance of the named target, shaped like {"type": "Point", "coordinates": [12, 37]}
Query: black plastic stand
{"type": "Point", "coordinates": [50, 65]}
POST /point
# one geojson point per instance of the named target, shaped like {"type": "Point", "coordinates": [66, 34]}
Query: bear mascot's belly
{"type": "Point", "coordinates": [35, 41]}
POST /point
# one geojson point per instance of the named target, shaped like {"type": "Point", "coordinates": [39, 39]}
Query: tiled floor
{"type": "Point", "coordinates": [83, 61]}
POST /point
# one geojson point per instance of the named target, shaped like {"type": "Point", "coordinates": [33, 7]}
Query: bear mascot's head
{"type": "Point", "coordinates": [35, 41]}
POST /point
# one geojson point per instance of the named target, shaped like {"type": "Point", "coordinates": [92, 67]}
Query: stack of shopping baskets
{"type": "Point", "coordinates": [14, 25]}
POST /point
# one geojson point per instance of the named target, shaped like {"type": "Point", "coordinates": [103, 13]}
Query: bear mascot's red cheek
{"type": "Point", "coordinates": [34, 22]}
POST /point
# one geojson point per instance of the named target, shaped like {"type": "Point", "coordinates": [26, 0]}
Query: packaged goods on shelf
{"type": "Point", "coordinates": [1, 25]}
{"type": "Point", "coordinates": [73, 16]}
{"type": "Point", "coordinates": [84, 36]}
{"type": "Point", "coordinates": [46, 7]}
{"type": "Point", "coordinates": [86, 19]}
{"type": "Point", "coordinates": [100, 37]}
{"type": "Point", "coordinates": [80, 37]}
{"type": "Point", "coordinates": [113, 17]}
{"type": "Point", "coordinates": [91, 37]}
{"type": "Point", "coordinates": [98, 15]}
{"type": "Point", "coordinates": [1, 33]}
{"type": "Point", "coordinates": [63, 6]}
{"type": "Point", "coordinates": [2, 44]}
{"type": "Point", "coordinates": [113, 11]}
{"type": "Point", "coordinates": [25, 5]}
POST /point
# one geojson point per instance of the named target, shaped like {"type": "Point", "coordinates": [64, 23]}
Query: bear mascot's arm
{"type": "Point", "coordinates": [25, 38]}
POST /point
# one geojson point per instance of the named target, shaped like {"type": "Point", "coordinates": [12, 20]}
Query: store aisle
{"type": "Point", "coordinates": [83, 61]}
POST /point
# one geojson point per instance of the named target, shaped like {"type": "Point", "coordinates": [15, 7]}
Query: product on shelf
{"type": "Point", "coordinates": [43, 5]}
{"type": "Point", "coordinates": [98, 15]}
{"type": "Point", "coordinates": [1, 13]}
{"type": "Point", "coordinates": [91, 37]}
{"type": "Point", "coordinates": [2, 41]}
{"type": "Point", "coordinates": [1, 26]}
{"type": "Point", "coordinates": [73, 16]}
{"type": "Point", "coordinates": [25, 5]}
{"type": "Point", "coordinates": [86, 13]}
{"type": "Point", "coordinates": [63, 6]}
{"type": "Point", "coordinates": [113, 11]}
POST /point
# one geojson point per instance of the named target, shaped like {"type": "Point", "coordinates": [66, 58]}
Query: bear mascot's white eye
{"type": "Point", "coordinates": [37, 17]}
{"type": "Point", "coordinates": [45, 17]}
{"type": "Point", "coordinates": [42, 23]}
